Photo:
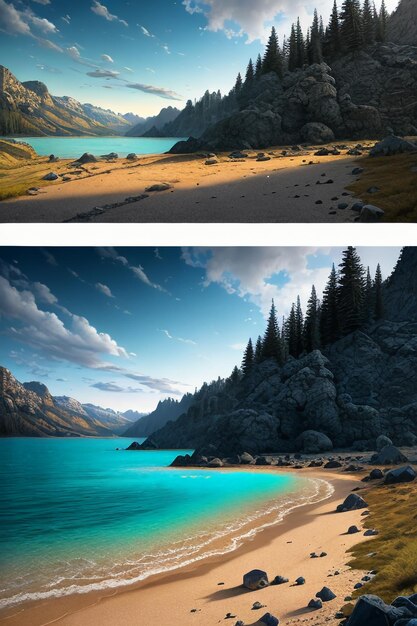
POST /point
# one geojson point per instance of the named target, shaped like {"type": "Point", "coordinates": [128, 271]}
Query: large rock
{"type": "Point", "coordinates": [382, 441]}
{"type": "Point", "coordinates": [392, 145]}
{"type": "Point", "coordinates": [400, 475]}
{"type": "Point", "coordinates": [372, 611]}
{"type": "Point", "coordinates": [316, 132]}
{"type": "Point", "coordinates": [255, 579]}
{"type": "Point", "coordinates": [313, 442]}
{"type": "Point", "coordinates": [352, 503]}
{"type": "Point", "coordinates": [389, 455]}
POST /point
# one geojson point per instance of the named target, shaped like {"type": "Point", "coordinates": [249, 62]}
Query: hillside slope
{"type": "Point", "coordinates": [166, 410]}
{"type": "Point", "coordinates": [402, 25]}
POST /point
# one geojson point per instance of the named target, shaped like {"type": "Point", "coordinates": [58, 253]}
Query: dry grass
{"type": "Point", "coordinates": [396, 178]}
{"type": "Point", "coordinates": [394, 513]}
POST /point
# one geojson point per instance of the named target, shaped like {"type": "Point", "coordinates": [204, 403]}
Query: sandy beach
{"type": "Point", "coordinates": [297, 188]}
{"type": "Point", "coordinates": [205, 593]}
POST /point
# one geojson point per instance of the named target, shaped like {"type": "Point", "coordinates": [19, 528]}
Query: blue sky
{"type": "Point", "coordinates": [124, 328]}
{"type": "Point", "coordinates": [140, 56]}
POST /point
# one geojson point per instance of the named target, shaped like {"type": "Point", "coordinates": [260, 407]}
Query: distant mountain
{"type": "Point", "coordinates": [29, 410]}
{"type": "Point", "coordinates": [29, 109]}
{"type": "Point", "coordinates": [133, 416]}
{"type": "Point", "coordinates": [402, 25]}
{"type": "Point", "coordinates": [114, 121]}
{"type": "Point", "coordinates": [166, 115]}
{"type": "Point", "coordinates": [133, 119]}
{"type": "Point", "coordinates": [166, 410]}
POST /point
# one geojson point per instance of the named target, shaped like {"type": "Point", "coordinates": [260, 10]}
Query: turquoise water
{"type": "Point", "coordinates": [78, 514]}
{"type": "Point", "coordinates": [74, 147]}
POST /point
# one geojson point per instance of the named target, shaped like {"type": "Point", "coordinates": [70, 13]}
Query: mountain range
{"type": "Point", "coordinates": [29, 109]}
{"type": "Point", "coordinates": [167, 410]}
{"type": "Point", "coordinates": [30, 410]}
{"type": "Point", "coordinates": [152, 126]}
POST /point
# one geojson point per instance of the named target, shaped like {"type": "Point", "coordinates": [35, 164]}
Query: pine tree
{"type": "Point", "coordinates": [291, 333]}
{"type": "Point", "coordinates": [368, 23]}
{"type": "Point", "coordinates": [299, 325]}
{"type": "Point", "coordinates": [329, 318]}
{"type": "Point", "coordinates": [301, 51]}
{"type": "Point", "coordinates": [379, 304]}
{"type": "Point", "coordinates": [315, 50]}
{"type": "Point", "coordinates": [272, 61]}
{"type": "Point", "coordinates": [350, 291]}
{"type": "Point", "coordinates": [258, 350]}
{"type": "Point", "coordinates": [235, 375]}
{"type": "Point", "coordinates": [292, 50]}
{"type": "Point", "coordinates": [271, 345]}
{"type": "Point", "coordinates": [312, 323]}
{"type": "Point", "coordinates": [368, 304]}
{"type": "Point", "coordinates": [333, 40]}
{"type": "Point", "coordinates": [351, 27]}
{"type": "Point", "coordinates": [248, 358]}
{"type": "Point", "coordinates": [250, 73]}
{"type": "Point", "coordinates": [239, 83]}
{"type": "Point", "coordinates": [381, 24]}
{"type": "Point", "coordinates": [258, 66]}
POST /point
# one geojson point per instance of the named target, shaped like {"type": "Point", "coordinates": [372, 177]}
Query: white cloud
{"type": "Point", "coordinates": [44, 25]}
{"type": "Point", "coordinates": [146, 32]}
{"type": "Point", "coordinates": [13, 21]}
{"type": "Point", "coordinates": [81, 343]}
{"type": "Point", "coordinates": [102, 11]}
{"type": "Point", "coordinates": [107, 58]}
{"type": "Point", "coordinates": [45, 2]}
{"type": "Point", "coordinates": [103, 74]}
{"type": "Point", "coordinates": [106, 291]}
{"type": "Point", "coordinates": [254, 18]}
{"type": "Point", "coordinates": [66, 19]}
{"type": "Point", "coordinates": [139, 272]}
{"type": "Point", "coordinates": [155, 91]}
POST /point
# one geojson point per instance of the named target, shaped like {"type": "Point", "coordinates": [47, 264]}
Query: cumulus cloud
{"type": "Point", "coordinates": [138, 271]}
{"type": "Point", "coordinates": [104, 290]}
{"type": "Point", "coordinates": [102, 11]}
{"type": "Point", "coordinates": [80, 343]}
{"type": "Point", "coordinates": [254, 19]}
{"type": "Point", "coordinates": [180, 339]}
{"type": "Point", "coordinates": [248, 273]}
{"type": "Point", "coordinates": [14, 21]}
{"type": "Point", "coordinates": [107, 58]}
{"type": "Point", "coordinates": [155, 91]}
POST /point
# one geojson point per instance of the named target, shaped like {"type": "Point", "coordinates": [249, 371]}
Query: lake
{"type": "Point", "coordinates": [79, 515]}
{"type": "Point", "coordinates": [74, 147]}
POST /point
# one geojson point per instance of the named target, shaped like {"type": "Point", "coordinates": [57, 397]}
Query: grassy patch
{"type": "Point", "coordinates": [396, 178]}
{"type": "Point", "coordinates": [394, 513]}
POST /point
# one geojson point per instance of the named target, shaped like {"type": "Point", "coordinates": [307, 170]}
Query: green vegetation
{"type": "Point", "coordinates": [396, 179]}
{"type": "Point", "coordinates": [393, 513]}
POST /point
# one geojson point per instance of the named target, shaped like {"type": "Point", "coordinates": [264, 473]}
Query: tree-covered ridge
{"type": "Point", "coordinates": [351, 299]}
{"type": "Point", "coordinates": [352, 28]}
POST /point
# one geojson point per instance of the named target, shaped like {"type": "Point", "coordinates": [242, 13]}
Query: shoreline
{"type": "Point", "coordinates": [64, 609]}
{"type": "Point", "coordinates": [291, 187]}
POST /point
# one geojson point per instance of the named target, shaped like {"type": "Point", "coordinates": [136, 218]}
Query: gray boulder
{"type": "Point", "coordinates": [269, 620]}
{"type": "Point", "coordinates": [371, 213]}
{"type": "Point", "coordinates": [392, 145]}
{"type": "Point", "coordinates": [400, 475]}
{"type": "Point", "coordinates": [86, 158]}
{"type": "Point", "coordinates": [255, 579]}
{"type": "Point", "coordinates": [383, 441]}
{"type": "Point", "coordinates": [373, 611]}
{"type": "Point", "coordinates": [215, 462]}
{"type": "Point", "coordinates": [389, 455]}
{"type": "Point", "coordinates": [50, 176]}
{"type": "Point", "coordinates": [326, 594]}
{"type": "Point", "coordinates": [316, 133]}
{"type": "Point", "coordinates": [376, 474]}
{"type": "Point", "coordinates": [313, 442]}
{"type": "Point", "coordinates": [246, 459]}
{"type": "Point", "coordinates": [352, 503]}
{"type": "Point", "coordinates": [315, 603]}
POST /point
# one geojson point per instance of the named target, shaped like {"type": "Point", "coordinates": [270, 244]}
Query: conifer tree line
{"type": "Point", "coordinates": [351, 299]}
{"type": "Point", "coordinates": [351, 28]}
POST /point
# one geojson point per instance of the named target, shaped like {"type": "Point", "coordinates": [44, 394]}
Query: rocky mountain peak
{"type": "Point", "coordinates": [402, 26]}
{"type": "Point", "coordinates": [401, 288]}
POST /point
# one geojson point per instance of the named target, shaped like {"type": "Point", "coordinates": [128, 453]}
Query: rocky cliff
{"type": "Point", "coordinates": [167, 410]}
{"type": "Point", "coordinates": [371, 93]}
{"type": "Point", "coordinates": [29, 109]}
{"type": "Point", "coordinates": [362, 386]}
{"type": "Point", "coordinates": [30, 410]}
{"type": "Point", "coordinates": [402, 25]}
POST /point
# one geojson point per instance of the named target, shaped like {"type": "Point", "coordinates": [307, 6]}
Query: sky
{"type": "Point", "coordinates": [141, 56]}
{"type": "Point", "coordinates": [124, 328]}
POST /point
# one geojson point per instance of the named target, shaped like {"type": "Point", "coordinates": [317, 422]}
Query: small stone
{"type": "Point", "coordinates": [257, 605]}
{"type": "Point", "coordinates": [159, 187]}
{"type": "Point", "coordinates": [352, 530]}
{"type": "Point", "coordinates": [315, 603]}
{"type": "Point", "coordinates": [300, 580]}
{"type": "Point", "coordinates": [326, 594]}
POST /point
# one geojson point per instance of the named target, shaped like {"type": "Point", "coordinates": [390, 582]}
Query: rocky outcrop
{"type": "Point", "coordinates": [369, 94]}
{"type": "Point", "coordinates": [30, 410]}
{"type": "Point", "coordinates": [361, 387]}
{"type": "Point", "coordinates": [402, 25]}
